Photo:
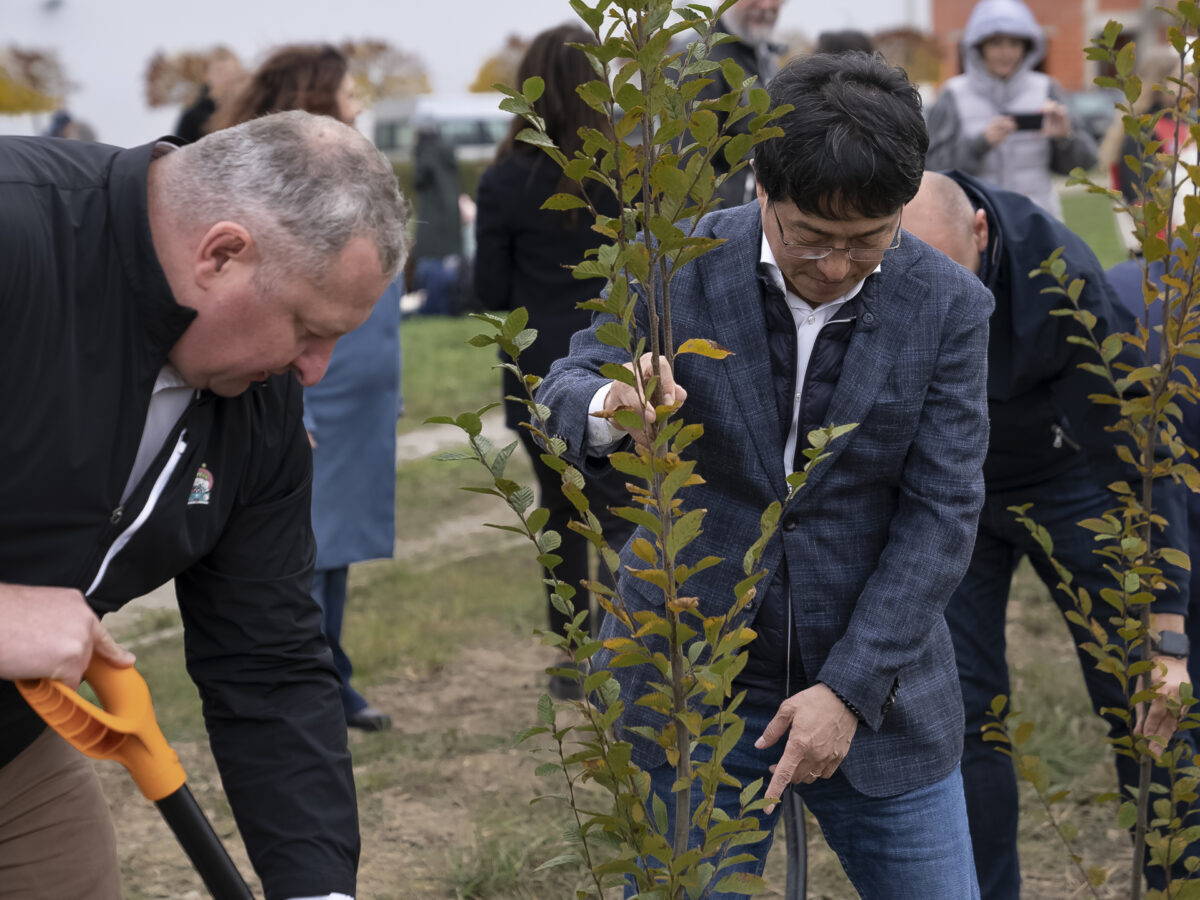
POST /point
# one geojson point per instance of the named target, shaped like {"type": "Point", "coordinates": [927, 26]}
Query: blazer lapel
{"type": "Point", "coordinates": [735, 310]}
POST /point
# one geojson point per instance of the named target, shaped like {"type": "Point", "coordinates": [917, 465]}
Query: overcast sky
{"type": "Point", "coordinates": [105, 46]}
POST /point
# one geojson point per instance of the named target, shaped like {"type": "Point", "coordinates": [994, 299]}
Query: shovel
{"type": "Point", "coordinates": [125, 730]}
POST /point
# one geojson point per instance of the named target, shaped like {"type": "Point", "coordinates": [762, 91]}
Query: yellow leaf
{"type": "Point", "coordinates": [703, 347]}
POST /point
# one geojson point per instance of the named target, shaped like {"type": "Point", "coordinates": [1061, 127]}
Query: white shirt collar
{"type": "Point", "coordinates": [168, 377]}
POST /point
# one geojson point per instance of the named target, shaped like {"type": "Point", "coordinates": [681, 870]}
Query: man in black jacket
{"type": "Point", "coordinates": [160, 309]}
{"type": "Point", "coordinates": [751, 24]}
{"type": "Point", "coordinates": [1048, 447]}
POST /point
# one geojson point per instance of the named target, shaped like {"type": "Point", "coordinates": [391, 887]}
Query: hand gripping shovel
{"type": "Point", "coordinates": [126, 730]}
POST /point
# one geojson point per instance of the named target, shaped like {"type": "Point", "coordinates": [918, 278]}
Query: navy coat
{"type": "Point", "coordinates": [351, 414]}
{"type": "Point", "coordinates": [878, 539]}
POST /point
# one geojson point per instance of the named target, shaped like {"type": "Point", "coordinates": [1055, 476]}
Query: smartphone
{"type": "Point", "coordinates": [1028, 121]}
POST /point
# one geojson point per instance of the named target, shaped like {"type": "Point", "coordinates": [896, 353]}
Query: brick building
{"type": "Point", "coordinates": [1070, 26]}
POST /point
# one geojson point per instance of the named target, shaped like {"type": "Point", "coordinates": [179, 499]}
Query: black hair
{"type": "Point", "coordinates": [853, 145]}
{"type": "Point", "coordinates": [563, 68]}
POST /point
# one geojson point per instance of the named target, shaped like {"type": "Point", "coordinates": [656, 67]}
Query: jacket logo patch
{"type": "Point", "coordinates": [201, 488]}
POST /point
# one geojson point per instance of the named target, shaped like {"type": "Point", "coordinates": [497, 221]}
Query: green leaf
{"type": "Point", "coordinates": [1127, 815]}
{"type": "Point", "coordinates": [593, 18]}
{"type": "Point", "coordinates": [545, 709]}
{"type": "Point", "coordinates": [669, 180]}
{"type": "Point", "coordinates": [1176, 558]}
{"type": "Point", "coordinates": [536, 138]}
{"type": "Point", "coordinates": [1124, 60]}
{"type": "Point", "coordinates": [537, 519]}
{"type": "Point", "coordinates": [660, 814]}
{"type": "Point", "coordinates": [640, 516]}
{"type": "Point", "coordinates": [614, 334]}
{"type": "Point", "coordinates": [1023, 734]}
{"type": "Point", "coordinates": [683, 531]}
{"type": "Point", "coordinates": [564, 201]}
{"type": "Point", "coordinates": [533, 88]}
{"type": "Point", "coordinates": [469, 422]}
{"type": "Point", "coordinates": [565, 859]}
{"type": "Point", "coordinates": [704, 125]}
{"type": "Point", "coordinates": [738, 147]}
{"type": "Point", "coordinates": [742, 883]}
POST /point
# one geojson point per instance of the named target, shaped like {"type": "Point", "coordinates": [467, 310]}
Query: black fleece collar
{"type": "Point", "coordinates": [165, 320]}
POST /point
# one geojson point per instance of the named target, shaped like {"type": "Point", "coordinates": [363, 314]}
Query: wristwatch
{"type": "Point", "coordinates": [1170, 643]}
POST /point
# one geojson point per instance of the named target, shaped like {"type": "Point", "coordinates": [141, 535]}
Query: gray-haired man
{"type": "Point", "coordinates": [160, 309]}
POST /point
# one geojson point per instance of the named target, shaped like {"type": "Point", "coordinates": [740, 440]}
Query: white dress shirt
{"type": "Point", "coordinates": [809, 321]}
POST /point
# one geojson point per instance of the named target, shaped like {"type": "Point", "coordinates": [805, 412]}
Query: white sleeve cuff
{"type": "Point", "coordinates": [601, 433]}
{"type": "Point", "coordinates": [326, 897]}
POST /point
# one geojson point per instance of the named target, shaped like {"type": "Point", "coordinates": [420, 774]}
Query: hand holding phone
{"type": "Point", "coordinates": [1029, 121]}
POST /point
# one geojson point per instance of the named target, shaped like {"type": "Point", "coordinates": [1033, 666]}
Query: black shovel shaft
{"type": "Point", "coordinates": [202, 846]}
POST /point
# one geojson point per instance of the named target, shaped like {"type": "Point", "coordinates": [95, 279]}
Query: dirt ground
{"type": "Point", "coordinates": [411, 828]}
{"type": "Point", "coordinates": [406, 832]}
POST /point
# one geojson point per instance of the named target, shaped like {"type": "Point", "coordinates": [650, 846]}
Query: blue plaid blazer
{"type": "Point", "coordinates": [877, 540]}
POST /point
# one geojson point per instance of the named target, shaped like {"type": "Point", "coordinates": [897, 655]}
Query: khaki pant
{"type": "Point", "coordinates": [56, 835]}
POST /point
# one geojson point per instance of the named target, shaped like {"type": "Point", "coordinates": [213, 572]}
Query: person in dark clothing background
{"type": "Point", "coordinates": [223, 78]}
{"type": "Point", "coordinates": [1126, 279]}
{"type": "Point", "coordinates": [521, 259]}
{"type": "Point", "coordinates": [1048, 447]}
{"type": "Point", "coordinates": [974, 125]}
{"type": "Point", "coordinates": [843, 42]}
{"type": "Point", "coordinates": [751, 23]}
{"type": "Point", "coordinates": [1155, 66]}
{"type": "Point", "coordinates": [162, 310]}
{"type": "Point", "coordinates": [437, 253]}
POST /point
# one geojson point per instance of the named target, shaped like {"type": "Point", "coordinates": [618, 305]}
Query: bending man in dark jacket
{"type": "Point", "coordinates": [832, 316]}
{"type": "Point", "coordinates": [160, 309]}
{"type": "Point", "coordinates": [1048, 447]}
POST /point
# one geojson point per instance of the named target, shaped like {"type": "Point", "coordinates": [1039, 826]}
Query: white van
{"type": "Point", "coordinates": [471, 123]}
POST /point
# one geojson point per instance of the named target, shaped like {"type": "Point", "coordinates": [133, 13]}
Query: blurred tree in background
{"type": "Point", "coordinates": [380, 70]}
{"type": "Point", "coordinates": [501, 66]}
{"type": "Point", "coordinates": [31, 81]}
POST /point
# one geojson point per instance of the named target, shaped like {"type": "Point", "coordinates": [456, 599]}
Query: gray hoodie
{"type": "Point", "coordinates": [1024, 161]}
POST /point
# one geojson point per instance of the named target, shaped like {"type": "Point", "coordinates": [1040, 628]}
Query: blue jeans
{"type": "Point", "coordinates": [914, 846]}
{"type": "Point", "coordinates": [976, 615]}
{"type": "Point", "coordinates": [329, 590]}
{"type": "Point", "coordinates": [437, 277]}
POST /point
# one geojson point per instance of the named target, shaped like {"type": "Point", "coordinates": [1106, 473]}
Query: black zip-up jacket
{"type": "Point", "coordinates": [87, 320]}
{"type": "Point", "coordinates": [1042, 420]}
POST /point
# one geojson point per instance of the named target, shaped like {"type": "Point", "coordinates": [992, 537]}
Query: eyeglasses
{"type": "Point", "coordinates": [808, 251]}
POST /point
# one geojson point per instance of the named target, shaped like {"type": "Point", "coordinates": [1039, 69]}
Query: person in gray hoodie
{"type": "Point", "coordinates": [1000, 120]}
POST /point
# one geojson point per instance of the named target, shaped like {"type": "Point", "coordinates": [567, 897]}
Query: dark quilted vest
{"type": "Point", "coordinates": [766, 676]}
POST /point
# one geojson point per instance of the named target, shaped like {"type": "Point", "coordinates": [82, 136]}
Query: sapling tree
{"type": "Point", "coordinates": [1148, 397]}
{"type": "Point", "coordinates": [651, 61]}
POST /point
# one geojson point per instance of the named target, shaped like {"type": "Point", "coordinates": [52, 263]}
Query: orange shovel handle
{"type": "Point", "coordinates": [124, 729]}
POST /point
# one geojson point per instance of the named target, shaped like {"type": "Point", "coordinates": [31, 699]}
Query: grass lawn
{"type": "Point", "coordinates": [440, 637]}
{"type": "Point", "coordinates": [442, 374]}
{"type": "Point", "coordinates": [1091, 217]}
